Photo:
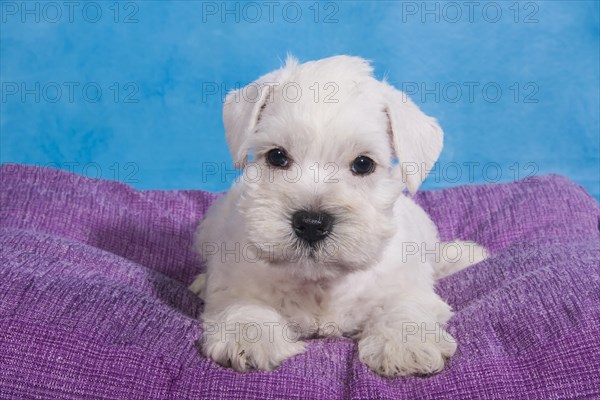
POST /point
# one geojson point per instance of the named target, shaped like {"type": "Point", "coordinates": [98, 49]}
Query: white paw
{"type": "Point", "coordinates": [198, 285]}
{"type": "Point", "coordinates": [245, 344]}
{"type": "Point", "coordinates": [458, 255]}
{"type": "Point", "coordinates": [423, 352]}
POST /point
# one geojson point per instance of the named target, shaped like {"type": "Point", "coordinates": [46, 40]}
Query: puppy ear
{"type": "Point", "coordinates": [242, 109]}
{"type": "Point", "coordinates": [241, 113]}
{"type": "Point", "coordinates": [417, 139]}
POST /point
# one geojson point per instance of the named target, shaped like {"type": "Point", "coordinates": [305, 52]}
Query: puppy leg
{"type": "Point", "coordinates": [458, 255]}
{"type": "Point", "coordinates": [198, 286]}
{"type": "Point", "coordinates": [249, 337]}
{"type": "Point", "coordinates": [406, 340]}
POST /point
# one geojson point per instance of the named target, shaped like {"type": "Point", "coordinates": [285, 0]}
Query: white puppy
{"type": "Point", "coordinates": [317, 238]}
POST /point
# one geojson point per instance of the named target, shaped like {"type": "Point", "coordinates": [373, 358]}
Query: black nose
{"type": "Point", "coordinates": [312, 226]}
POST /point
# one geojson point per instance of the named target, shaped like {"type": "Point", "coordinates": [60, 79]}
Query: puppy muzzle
{"type": "Point", "coordinates": [312, 226]}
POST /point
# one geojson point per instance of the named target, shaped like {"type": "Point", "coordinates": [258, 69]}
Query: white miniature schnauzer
{"type": "Point", "coordinates": [317, 238]}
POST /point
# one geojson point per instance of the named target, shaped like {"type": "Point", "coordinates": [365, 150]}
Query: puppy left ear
{"type": "Point", "coordinates": [417, 139]}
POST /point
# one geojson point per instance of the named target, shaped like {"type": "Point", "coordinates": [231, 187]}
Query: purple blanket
{"type": "Point", "coordinates": [94, 305]}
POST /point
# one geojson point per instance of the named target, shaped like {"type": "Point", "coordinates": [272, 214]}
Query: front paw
{"type": "Point", "coordinates": [418, 351]}
{"type": "Point", "coordinates": [261, 344]}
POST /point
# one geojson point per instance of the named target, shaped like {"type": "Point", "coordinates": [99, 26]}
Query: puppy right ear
{"type": "Point", "coordinates": [242, 109]}
{"type": "Point", "coordinates": [241, 113]}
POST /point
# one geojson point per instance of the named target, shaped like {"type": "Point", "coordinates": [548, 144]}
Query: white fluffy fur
{"type": "Point", "coordinates": [264, 292]}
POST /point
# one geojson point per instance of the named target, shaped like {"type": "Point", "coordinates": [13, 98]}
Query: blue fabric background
{"type": "Point", "coordinates": [157, 121]}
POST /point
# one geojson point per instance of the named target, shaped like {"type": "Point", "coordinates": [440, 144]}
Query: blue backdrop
{"type": "Point", "coordinates": [133, 90]}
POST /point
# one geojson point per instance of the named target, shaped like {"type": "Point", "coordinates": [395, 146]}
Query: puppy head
{"type": "Point", "coordinates": [318, 196]}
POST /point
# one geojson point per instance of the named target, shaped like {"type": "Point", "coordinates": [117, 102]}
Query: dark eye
{"type": "Point", "coordinates": [277, 158]}
{"type": "Point", "coordinates": [362, 165]}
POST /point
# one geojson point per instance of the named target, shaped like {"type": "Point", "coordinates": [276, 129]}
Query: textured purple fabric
{"type": "Point", "coordinates": [94, 305]}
